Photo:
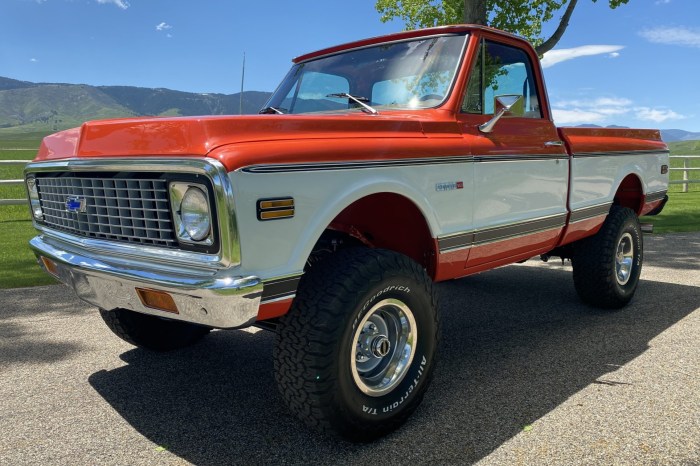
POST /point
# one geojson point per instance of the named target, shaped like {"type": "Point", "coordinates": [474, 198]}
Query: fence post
{"type": "Point", "coordinates": [686, 165]}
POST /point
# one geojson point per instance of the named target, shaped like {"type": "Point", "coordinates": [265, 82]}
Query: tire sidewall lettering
{"type": "Point", "coordinates": [385, 406]}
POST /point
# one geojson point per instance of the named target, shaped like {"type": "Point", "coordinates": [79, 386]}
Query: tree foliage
{"type": "Point", "coordinates": [522, 17]}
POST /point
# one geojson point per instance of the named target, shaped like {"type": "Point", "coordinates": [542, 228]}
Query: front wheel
{"type": "Point", "coordinates": [356, 352]}
{"type": "Point", "coordinates": [607, 265]}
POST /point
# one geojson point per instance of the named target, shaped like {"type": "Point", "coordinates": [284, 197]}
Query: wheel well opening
{"type": "Point", "coordinates": [383, 220]}
{"type": "Point", "coordinates": [629, 194]}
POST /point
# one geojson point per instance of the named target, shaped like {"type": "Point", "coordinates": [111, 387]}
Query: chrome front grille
{"type": "Point", "coordinates": [133, 210]}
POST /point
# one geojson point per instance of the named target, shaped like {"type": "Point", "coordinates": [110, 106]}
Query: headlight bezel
{"type": "Point", "coordinates": [34, 200]}
{"type": "Point", "coordinates": [178, 190]}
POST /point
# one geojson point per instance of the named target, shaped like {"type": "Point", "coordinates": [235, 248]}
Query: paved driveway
{"type": "Point", "coordinates": [527, 375]}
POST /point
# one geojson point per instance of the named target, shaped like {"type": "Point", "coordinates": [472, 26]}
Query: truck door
{"type": "Point", "coordinates": [520, 167]}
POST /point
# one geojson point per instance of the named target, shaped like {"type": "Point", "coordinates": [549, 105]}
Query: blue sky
{"type": "Point", "coordinates": [638, 65]}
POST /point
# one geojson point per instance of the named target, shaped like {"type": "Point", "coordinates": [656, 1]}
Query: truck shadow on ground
{"type": "Point", "coordinates": [516, 344]}
{"type": "Point", "coordinates": [23, 340]}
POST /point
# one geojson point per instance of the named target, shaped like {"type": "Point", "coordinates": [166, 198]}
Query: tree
{"type": "Point", "coordinates": [522, 17]}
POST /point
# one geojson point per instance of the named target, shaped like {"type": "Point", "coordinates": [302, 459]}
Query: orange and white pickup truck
{"type": "Point", "coordinates": [376, 168]}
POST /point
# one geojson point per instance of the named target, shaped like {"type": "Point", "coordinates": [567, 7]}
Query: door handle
{"type": "Point", "coordinates": [553, 143]}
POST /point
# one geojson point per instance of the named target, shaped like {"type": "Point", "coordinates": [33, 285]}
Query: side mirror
{"type": "Point", "coordinates": [504, 104]}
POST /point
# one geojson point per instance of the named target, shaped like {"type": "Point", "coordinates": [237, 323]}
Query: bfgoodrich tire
{"type": "Point", "coordinates": [152, 332]}
{"type": "Point", "coordinates": [607, 265]}
{"type": "Point", "coordinates": [356, 353]}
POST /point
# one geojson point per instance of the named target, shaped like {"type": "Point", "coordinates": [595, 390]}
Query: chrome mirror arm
{"type": "Point", "coordinates": [506, 103]}
{"type": "Point", "coordinates": [489, 125]}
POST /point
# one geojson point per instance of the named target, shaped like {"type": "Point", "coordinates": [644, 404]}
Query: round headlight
{"type": "Point", "coordinates": [194, 212]}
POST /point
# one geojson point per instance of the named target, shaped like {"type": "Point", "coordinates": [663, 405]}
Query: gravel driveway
{"type": "Point", "coordinates": [527, 375]}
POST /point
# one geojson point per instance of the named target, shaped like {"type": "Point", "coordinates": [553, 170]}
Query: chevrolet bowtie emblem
{"type": "Point", "coordinates": [76, 204]}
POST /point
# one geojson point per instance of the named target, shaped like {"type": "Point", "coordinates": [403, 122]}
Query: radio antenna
{"type": "Point", "coordinates": [240, 99]}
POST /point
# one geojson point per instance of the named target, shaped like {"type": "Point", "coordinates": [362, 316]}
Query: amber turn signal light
{"type": "Point", "coordinates": [157, 300]}
{"type": "Point", "coordinates": [272, 209]}
{"type": "Point", "coordinates": [50, 266]}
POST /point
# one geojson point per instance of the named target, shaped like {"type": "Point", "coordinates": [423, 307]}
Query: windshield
{"type": "Point", "coordinates": [401, 75]}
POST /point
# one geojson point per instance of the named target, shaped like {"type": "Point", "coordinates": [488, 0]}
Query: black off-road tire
{"type": "Point", "coordinates": [150, 332]}
{"type": "Point", "coordinates": [321, 369]}
{"type": "Point", "coordinates": [600, 262]}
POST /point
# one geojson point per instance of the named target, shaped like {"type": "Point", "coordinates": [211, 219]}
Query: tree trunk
{"type": "Point", "coordinates": [475, 12]}
{"type": "Point", "coordinates": [549, 44]}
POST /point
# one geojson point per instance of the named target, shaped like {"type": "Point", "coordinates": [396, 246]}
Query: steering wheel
{"type": "Point", "coordinates": [423, 98]}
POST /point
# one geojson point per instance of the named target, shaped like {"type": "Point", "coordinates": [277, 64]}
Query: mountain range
{"type": "Point", "coordinates": [28, 106]}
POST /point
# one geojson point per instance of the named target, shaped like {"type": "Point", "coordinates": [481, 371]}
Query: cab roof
{"type": "Point", "coordinates": [400, 36]}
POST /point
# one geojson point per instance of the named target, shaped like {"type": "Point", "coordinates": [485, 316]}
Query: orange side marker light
{"type": "Point", "coordinates": [159, 300]}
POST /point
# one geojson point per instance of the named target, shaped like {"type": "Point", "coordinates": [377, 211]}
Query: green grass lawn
{"type": "Point", "coordinates": [682, 213]}
{"type": "Point", "coordinates": [18, 265]}
{"type": "Point", "coordinates": [684, 148]}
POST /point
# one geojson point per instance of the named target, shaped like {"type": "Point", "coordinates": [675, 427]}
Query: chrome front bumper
{"type": "Point", "coordinates": [215, 298]}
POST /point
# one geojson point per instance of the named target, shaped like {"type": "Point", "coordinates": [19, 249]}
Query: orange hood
{"type": "Point", "coordinates": [198, 136]}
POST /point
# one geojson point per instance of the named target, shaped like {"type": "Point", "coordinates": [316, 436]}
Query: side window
{"type": "Point", "coordinates": [473, 97]}
{"type": "Point", "coordinates": [310, 93]}
{"type": "Point", "coordinates": [501, 70]}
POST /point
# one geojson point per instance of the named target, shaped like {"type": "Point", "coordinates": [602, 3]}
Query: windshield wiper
{"type": "Point", "coordinates": [357, 99]}
{"type": "Point", "coordinates": [271, 111]}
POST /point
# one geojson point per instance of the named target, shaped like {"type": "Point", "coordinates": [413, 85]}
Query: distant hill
{"type": "Point", "coordinates": [146, 101]}
{"type": "Point", "coordinates": [672, 135]}
{"type": "Point", "coordinates": [57, 105]}
{"type": "Point", "coordinates": [27, 106]}
{"type": "Point", "coordinates": [684, 147]}
{"type": "Point", "coordinates": [7, 83]}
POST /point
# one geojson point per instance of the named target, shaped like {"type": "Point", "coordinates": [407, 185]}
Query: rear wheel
{"type": "Point", "coordinates": [356, 352]}
{"type": "Point", "coordinates": [607, 265]}
{"type": "Point", "coordinates": [152, 332]}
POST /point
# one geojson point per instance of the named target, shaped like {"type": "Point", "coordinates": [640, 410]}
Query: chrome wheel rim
{"type": "Point", "coordinates": [384, 344]}
{"type": "Point", "coordinates": [624, 259]}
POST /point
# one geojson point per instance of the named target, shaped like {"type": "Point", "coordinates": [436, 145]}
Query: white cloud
{"type": "Point", "coordinates": [33, 60]}
{"type": "Point", "coordinates": [614, 55]}
{"type": "Point", "coordinates": [604, 110]}
{"type": "Point", "coordinates": [597, 110]}
{"type": "Point", "coordinates": [673, 36]}
{"type": "Point", "coordinates": [163, 26]}
{"type": "Point", "coordinates": [577, 116]}
{"type": "Point", "coordinates": [553, 57]}
{"type": "Point", "coordinates": [123, 4]}
{"type": "Point", "coordinates": [662, 2]}
{"type": "Point", "coordinates": [657, 115]}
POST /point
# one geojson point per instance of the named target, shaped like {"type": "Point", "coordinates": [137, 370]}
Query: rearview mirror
{"type": "Point", "coordinates": [513, 104]}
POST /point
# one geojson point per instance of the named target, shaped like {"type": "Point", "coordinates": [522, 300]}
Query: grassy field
{"type": "Point", "coordinates": [682, 212]}
{"type": "Point", "coordinates": [18, 266]}
{"type": "Point", "coordinates": [685, 148]}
